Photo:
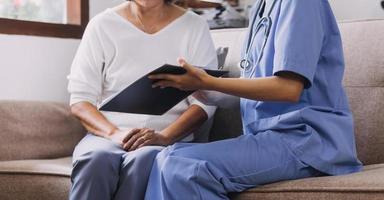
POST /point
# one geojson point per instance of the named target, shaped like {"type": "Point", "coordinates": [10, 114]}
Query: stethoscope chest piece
{"type": "Point", "coordinates": [245, 64]}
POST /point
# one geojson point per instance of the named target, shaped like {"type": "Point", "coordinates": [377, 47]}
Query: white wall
{"type": "Point", "coordinates": [357, 9]}
{"type": "Point", "coordinates": [349, 9]}
{"type": "Point", "coordinates": [35, 68]}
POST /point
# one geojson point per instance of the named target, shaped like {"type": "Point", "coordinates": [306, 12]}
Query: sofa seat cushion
{"type": "Point", "coordinates": [35, 179]}
{"type": "Point", "coordinates": [60, 167]}
{"type": "Point", "coordinates": [368, 184]}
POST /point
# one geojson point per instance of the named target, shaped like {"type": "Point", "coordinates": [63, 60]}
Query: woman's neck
{"type": "Point", "coordinates": [150, 12]}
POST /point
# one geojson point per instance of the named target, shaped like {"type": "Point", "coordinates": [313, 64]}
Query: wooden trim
{"type": "Point", "coordinates": [84, 13]}
{"type": "Point", "coordinates": [21, 27]}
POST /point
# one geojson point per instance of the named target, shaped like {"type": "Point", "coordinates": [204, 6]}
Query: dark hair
{"type": "Point", "coordinates": [165, 1]}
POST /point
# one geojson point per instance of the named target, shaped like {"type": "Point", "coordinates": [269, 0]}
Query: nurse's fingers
{"type": "Point", "coordinates": [133, 139]}
{"type": "Point", "coordinates": [164, 84]}
{"type": "Point", "coordinates": [184, 64]}
{"type": "Point", "coordinates": [137, 143]}
{"type": "Point", "coordinates": [130, 134]}
{"type": "Point", "coordinates": [148, 135]}
{"type": "Point", "coordinates": [162, 77]}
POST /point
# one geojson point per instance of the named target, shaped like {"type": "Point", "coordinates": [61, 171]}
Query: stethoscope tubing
{"type": "Point", "coordinates": [245, 64]}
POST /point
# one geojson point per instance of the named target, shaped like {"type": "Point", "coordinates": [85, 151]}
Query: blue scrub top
{"type": "Point", "coordinates": [319, 130]}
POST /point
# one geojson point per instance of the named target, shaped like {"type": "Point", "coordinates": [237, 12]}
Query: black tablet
{"type": "Point", "coordinates": [141, 98]}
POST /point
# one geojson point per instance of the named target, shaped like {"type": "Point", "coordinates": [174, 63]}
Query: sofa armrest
{"type": "Point", "coordinates": [37, 130]}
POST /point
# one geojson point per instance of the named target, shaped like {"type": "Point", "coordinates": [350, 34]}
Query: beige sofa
{"type": "Point", "coordinates": [37, 138]}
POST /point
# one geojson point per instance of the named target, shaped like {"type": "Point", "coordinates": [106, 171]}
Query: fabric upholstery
{"type": "Point", "coordinates": [37, 130]}
{"type": "Point", "coordinates": [310, 195]}
{"type": "Point", "coordinates": [35, 179]}
{"type": "Point", "coordinates": [60, 167]}
{"type": "Point", "coordinates": [33, 187]}
{"type": "Point", "coordinates": [364, 80]}
{"type": "Point", "coordinates": [368, 184]}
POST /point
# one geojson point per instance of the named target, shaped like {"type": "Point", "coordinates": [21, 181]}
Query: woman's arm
{"type": "Point", "coordinates": [95, 122]}
{"type": "Point", "coordinates": [214, 98]}
{"type": "Point", "coordinates": [189, 121]}
{"type": "Point", "coordinates": [285, 87]}
{"type": "Point", "coordinates": [92, 119]}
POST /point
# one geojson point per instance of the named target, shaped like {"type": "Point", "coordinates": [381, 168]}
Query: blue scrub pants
{"type": "Point", "coordinates": [102, 170]}
{"type": "Point", "coordinates": [212, 170]}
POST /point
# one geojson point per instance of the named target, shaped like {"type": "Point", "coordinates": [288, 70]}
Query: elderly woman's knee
{"type": "Point", "coordinates": [98, 161]}
{"type": "Point", "coordinates": [141, 158]}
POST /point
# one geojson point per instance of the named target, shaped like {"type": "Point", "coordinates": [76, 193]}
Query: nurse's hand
{"type": "Point", "coordinates": [141, 137]}
{"type": "Point", "coordinates": [193, 79]}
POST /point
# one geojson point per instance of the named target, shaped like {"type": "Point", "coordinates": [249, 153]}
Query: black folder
{"type": "Point", "coordinates": [141, 98]}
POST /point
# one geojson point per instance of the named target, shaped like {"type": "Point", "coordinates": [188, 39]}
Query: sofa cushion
{"type": "Point", "coordinates": [368, 184]}
{"type": "Point", "coordinates": [37, 130]}
{"type": "Point", "coordinates": [35, 179]}
{"type": "Point", "coordinates": [364, 81]}
{"type": "Point", "coordinates": [36, 187]}
{"type": "Point", "coordinates": [51, 177]}
{"type": "Point", "coordinates": [59, 167]}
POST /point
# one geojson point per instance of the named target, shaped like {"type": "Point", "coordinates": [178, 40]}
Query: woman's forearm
{"type": "Point", "coordinates": [92, 119]}
{"type": "Point", "coordinates": [189, 121]}
{"type": "Point", "coordinates": [276, 88]}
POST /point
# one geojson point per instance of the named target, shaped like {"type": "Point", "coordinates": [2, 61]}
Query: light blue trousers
{"type": "Point", "coordinates": [102, 170]}
{"type": "Point", "coordinates": [211, 171]}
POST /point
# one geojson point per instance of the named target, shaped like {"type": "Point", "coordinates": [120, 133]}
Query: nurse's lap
{"type": "Point", "coordinates": [243, 159]}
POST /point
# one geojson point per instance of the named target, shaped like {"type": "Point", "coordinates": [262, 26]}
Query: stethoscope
{"type": "Point", "coordinates": [265, 21]}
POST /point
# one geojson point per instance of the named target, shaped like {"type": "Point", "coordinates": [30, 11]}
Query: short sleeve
{"type": "Point", "coordinates": [203, 54]}
{"type": "Point", "coordinates": [299, 38]}
{"type": "Point", "coordinates": [85, 78]}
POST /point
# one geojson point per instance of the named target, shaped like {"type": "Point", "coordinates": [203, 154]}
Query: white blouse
{"type": "Point", "coordinates": [114, 53]}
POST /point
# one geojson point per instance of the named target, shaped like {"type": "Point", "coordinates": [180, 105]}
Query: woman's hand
{"type": "Point", "coordinates": [193, 79]}
{"type": "Point", "coordinates": [118, 136]}
{"type": "Point", "coordinates": [138, 138]}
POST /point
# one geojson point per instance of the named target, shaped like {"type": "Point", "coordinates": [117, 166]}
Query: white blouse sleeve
{"type": "Point", "coordinates": [203, 54]}
{"type": "Point", "coordinates": [85, 78]}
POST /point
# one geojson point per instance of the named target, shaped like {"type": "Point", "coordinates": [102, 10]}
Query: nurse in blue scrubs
{"type": "Point", "coordinates": [296, 119]}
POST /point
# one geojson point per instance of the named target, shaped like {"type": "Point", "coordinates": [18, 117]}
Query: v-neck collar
{"type": "Point", "coordinates": [168, 26]}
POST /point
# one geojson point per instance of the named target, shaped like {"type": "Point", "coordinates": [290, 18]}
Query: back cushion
{"type": "Point", "coordinates": [364, 81]}
{"type": "Point", "coordinates": [37, 130]}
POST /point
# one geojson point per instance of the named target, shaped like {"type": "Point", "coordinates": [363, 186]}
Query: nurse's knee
{"type": "Point", "coordinates": [178, 170]}
{"type": "Point", "coordinates": [95, 163]}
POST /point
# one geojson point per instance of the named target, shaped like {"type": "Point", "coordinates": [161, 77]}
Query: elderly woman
{"type": "Point", "coordinates": [119, 46]}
